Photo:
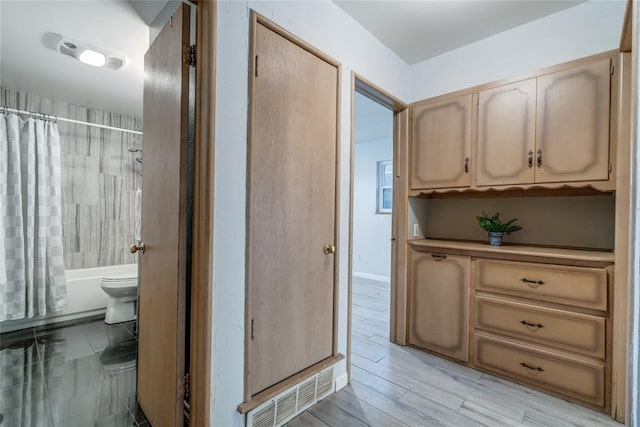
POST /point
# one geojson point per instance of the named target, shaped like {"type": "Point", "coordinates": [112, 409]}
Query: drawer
{"type": "Point", "coordinates": [573, 377]}
{"type": "Point", "coordinates": [576, 286]}
{"type": "Point", "coordinates": [566, 330]}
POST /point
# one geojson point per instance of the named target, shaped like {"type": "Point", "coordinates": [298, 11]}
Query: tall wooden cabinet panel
{"type": "Point", "coordinates": [441, 143]}
{"type": "Point", "coordinates": [439, 312]}
{"type": "Point", "coordinates": [506, 134]}
{"type": "Point", "coordinates": [572, 137]}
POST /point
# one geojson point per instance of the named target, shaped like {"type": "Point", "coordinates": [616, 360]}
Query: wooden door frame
{"type": "Point", "coordinates": [398, 303]}
{"type": "Point", "coordinates": [252, 401]}
{"type": "Point", "coordinates": [203, 204]}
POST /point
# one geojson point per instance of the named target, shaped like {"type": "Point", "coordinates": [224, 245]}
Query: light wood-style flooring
{"type": "Point", "coordinates": [400, 386]}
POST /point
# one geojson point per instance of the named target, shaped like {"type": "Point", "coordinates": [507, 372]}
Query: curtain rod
{"type": "Point", "coordinates": [62, 119]}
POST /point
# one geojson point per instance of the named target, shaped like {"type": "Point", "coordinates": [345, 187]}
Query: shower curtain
{"type": "Point", "coordinates": [32, 277]}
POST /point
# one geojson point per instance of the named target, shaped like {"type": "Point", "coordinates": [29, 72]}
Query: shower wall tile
{"type": "Point", "coordinates": [99, 180]}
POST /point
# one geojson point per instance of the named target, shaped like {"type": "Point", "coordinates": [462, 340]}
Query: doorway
{"type": "Point", "coordinates": [372, 209]}
{"type": "Point", "coordinates": [379, 124]}
{"type": "Point", "coordinates": [84, 355]}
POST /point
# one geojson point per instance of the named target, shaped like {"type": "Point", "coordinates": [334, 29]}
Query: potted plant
{"type": "Point", "coordinates": [496, 228]}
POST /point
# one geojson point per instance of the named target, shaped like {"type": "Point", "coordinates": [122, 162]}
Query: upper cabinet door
{"type": "Point", "coordinates": [506, 134]}
{"type": "Point", "coordinates": [572, 138]}
{"type": "Point", "coordinates": [441, 144]}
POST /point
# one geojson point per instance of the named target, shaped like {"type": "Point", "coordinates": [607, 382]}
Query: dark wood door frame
{"type": "Point", "coordinates": [203, 203]}
{"type": "Point", "coordinates": [398, 303]}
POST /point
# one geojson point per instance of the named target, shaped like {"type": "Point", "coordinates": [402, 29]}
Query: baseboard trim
{"type": "Point", "coordinates": [342, 381]}
{"type": "Point", "coordinates": [371, 277]}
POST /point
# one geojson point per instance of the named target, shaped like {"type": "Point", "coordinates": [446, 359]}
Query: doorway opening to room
{"type": "Point", "coordinates": [97, 268]}
{"type": "Point", "coordinates": [378, 129]}
{"type": "Point", "coordinates": [372, 207]}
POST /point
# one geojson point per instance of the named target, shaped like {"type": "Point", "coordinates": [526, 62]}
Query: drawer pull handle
{"type": "Point", "coordinates": [532, 368]}
{"type": "Point", "coordinates": [439, 257]}
{"type": "Point", "coordinates": [532, 325]}
{"type": "Point", "coordinates": [532, 282]}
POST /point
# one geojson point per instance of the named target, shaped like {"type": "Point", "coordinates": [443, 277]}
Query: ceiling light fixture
{"type": "Point", "coordinates": [93, 58]}
{"type": "Point", "coordinates": [90, 55]}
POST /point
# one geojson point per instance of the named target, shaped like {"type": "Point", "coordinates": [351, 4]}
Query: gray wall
{"type": "Point", "coordinates": [99, 181]}
{"type": "Point", "coordinates": [371, 231]}
{"type": "Point", "coordinates": [579, 221]}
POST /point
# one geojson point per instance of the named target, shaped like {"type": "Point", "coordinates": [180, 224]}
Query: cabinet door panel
{"type": "Point", "coordinates": [572, 137]}
{"type": "Point", "coordinates": [439, 319]}
{"type": "Point", "coordinates": [441, 144]}
{"type": "Point", "coordinates": [506, 134]}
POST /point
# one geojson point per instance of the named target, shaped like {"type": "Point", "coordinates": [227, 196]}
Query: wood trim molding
{"type": "Point", "coordinates": [203, 203]}
{"type": "Point", "coordinates": [633, 316]}
{"type": "Point", "coordinates": [625, 37]}
{"type": "Point", "coordinates": [257, 18]}
{"type": "Point", "coordinates": [273, 391]}
{"type": "Point", "coordinates": [352, 152]}
{"type": "Point", "coordinates": [623, 242]}
{"type": "Point", "coordinates": [370, 90]}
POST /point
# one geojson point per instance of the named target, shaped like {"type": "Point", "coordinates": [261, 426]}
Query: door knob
{"type": "Point", "coordinates": [135, 248]}
{"type": "Point", "coordinates": [329, 249]}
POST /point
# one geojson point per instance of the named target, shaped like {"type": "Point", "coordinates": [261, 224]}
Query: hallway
{"type": "Point", "coordinates": [399, 386]}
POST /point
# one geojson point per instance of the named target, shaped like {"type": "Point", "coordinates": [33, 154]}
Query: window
{"type": "Point", "coordinates": [385, 186]}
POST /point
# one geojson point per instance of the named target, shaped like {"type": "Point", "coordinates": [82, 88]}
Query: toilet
{"type": "Point", "coordinates": [123, 293]}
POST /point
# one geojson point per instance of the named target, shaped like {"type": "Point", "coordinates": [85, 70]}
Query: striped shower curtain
{"type": "Point", "coordinates": [32, 277]}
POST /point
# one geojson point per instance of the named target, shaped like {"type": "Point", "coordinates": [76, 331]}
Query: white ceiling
{"type": "Point", "coordinates": [418, 30]}
{"type": "Point", "coordinates": [413, 29]}
{"type": "Point", "coordinates": [372, 120]}
{"type": "Point", "coordinates": [29, 62]}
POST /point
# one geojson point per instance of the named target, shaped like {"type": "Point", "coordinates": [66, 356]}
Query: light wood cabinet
{"type": "Point", "coordinates": [572, 137]}
{"type": "Point", "coordinates": [560, 373]}
{"type": "Point", "coordinates": [535, 317]}
{"type": "Point", "coordinates": [441, 143]}
{"type": "Point", "coordinates": [531, 323]}
{"type": "Point", "coordinates": [547, 131]}
{"type": "Point", "coordinates": [439, 311]}
{"type": "Point", "coordinates": [506, 134]}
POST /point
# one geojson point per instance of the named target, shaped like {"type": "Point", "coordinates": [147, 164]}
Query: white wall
{"type": "Point", "coordinates": [371, 231]}
{"type": "Point", "coordinates": [579, 31]}
{"type": "Point", "coordinates": [327, 27]}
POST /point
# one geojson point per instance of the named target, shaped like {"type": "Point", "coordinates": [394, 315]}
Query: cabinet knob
{"type": "Point", "coordinates": [466, 165]}
{"type": "Point", "coordinates": [530, 159]}
{"type": "Point", "coordinates": [439, 257]}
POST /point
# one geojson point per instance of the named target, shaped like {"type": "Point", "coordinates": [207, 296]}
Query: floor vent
{"type": "Point", "coordinates": [293, 401]}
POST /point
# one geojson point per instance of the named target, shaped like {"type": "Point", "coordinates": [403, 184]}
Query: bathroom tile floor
{"type": "Point", "coordinates": [75, 374]}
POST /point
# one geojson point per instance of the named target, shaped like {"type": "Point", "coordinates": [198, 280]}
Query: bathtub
{"type": "Point", "coordinates": [84, 297]}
